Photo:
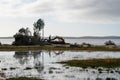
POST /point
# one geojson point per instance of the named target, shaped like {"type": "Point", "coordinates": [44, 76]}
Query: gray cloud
{"type": "Point", "coordinates": [92, 10]}
{"type": "Point", "coordinates": [68, 10]}
{"type": "Point", "coordinates": [42, 8]}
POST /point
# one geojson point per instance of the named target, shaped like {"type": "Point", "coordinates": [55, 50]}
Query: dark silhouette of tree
{"type": "Point", "coordinates": [109, 43]}
{"type": "Point", "coordinates": [38, 26]}
{"type": "Point", "coordinates": [22, 37]}
{"type": "Point", "coordinates": [22, 30]}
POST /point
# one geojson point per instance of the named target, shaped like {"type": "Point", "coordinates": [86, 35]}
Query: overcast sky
{"type": "Point", "coordinates": [62, 17]}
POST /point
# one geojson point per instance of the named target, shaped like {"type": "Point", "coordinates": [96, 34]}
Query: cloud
{"type": "Point", "coordinates": [95, 11]}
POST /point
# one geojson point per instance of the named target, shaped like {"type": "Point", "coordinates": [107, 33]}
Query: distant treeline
{"type": "Point", "coordinates": [94, 37]}
{"type": "Point", "coordinates": [6, 37]}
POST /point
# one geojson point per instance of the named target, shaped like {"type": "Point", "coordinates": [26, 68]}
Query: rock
{"type": "Point", "coordinates": [28, 68]}
{"type": "Point", "coordinates": [50, 71]}
{"type": "Point", "coordinates": [12, 68]}
{"type": "Point", "coordinates": [4, 69]}
{"type": "Point", "coordinates": [2, 76]}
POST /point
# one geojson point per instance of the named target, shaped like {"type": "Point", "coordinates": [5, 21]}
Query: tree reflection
{"type": "Point", "coordinates": [55, 52]}
{"type": "Point", "coordinates": [34, 58]}
{"type": "Point", "coordinates": [23, 57]}
{"type": "Point", "coordinates": [58, 52]}
{"type": "Point", "coordinates": [37, 58]}
{"type": "Point", "coordinates": [38, 63]}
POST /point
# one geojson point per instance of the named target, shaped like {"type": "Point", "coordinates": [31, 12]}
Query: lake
{"type": "Point", "coordinates": [42, 64]}
{"type": "Point", "coordinates": [92, 41]}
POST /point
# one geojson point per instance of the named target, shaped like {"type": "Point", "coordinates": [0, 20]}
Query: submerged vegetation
{"type": "Point", "coordinates": [107, 63]}
{"type": "Point", "coordinates": [23, 78]}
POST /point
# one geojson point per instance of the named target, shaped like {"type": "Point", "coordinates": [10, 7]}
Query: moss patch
{"type": "Point", "coordinates": [107, 63]}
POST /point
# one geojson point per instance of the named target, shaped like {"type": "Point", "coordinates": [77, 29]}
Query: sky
{"type": "Point", "coordinates": [61, 17]}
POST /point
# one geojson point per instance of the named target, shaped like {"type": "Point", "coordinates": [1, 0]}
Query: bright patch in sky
{"type": "Point", "coordinates": [62, 17]}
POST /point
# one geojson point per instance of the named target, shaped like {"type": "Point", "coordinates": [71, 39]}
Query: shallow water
{"type": "Point", "coordinates": [92, 41]}
{"type": "Point", "coordinates": [7, 41]}
{"type": "Point", "coordinates": [41, 64]}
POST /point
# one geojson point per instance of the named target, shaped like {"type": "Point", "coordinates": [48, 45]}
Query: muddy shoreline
{"type": "Point", "coordinates": [51, 47]}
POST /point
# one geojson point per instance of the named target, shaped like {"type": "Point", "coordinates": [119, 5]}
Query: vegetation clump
{"type": "Point", "coordinates": [107, 63]}
{"type": "Point", "coordinates": [25, 37]}
{"type": "Point", "coordinates": [109, 43]}
{"type": "Point", "coordinates": [74, 45]}
{"type": "Point", "coordinates": [86, 45]}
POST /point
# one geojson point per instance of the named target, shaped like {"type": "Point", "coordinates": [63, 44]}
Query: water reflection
{"type": "Point", "coordinates": [25, 58]}
{"type": "Point", "coordinates": [38, 64]}
{"type": "Point", "coordinates": [41, 64]}
{"type": "Point", "coordinates": [37, 57]}
{"type": "Point", "coordinates": [22, 57]}
{"type": "Point", "coordinates": [55, 53]}
{"type": "Point", "coordinates": [58, 52]}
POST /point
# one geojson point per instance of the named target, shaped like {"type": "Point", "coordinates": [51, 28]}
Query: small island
{"type": "Point", "coordinates": [25, 37]}
{"type": "Point", "coordinates": [26, 40]}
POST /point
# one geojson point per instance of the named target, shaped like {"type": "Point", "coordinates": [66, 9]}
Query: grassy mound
{"type": "Point", "coordinates": [107, 63]}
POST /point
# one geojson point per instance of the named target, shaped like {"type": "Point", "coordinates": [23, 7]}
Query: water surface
{"type": "Point", "coordinates": [92, 41]}
{"type": "Point", "coordinates": [41, 64]}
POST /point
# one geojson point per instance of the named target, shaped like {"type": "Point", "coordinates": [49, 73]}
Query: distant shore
{"type": "Point", "coordinates": [6, 37]}
{"type": "Point", "coordinates": [52, 47]}
{"type": "Point", "coordinates": [83, 37]}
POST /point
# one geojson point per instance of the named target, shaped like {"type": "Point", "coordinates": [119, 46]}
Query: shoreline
{"type": "Point", "coordinates": [64, 48]}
